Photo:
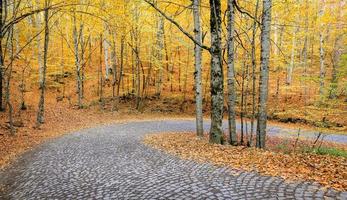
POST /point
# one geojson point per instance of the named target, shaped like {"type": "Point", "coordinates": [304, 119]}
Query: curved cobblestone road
{"type": "Point", "coordinates": [111, 163]}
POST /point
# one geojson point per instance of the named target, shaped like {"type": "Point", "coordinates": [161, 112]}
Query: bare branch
{"type": "Point", "coordinates": [178, 26]}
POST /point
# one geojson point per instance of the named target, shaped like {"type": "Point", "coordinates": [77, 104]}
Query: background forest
{"type": "Point", "coordinates": [123, 54]}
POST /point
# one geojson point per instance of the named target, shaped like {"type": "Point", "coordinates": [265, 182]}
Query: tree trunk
{"type": "Point", "coordinates": [106, 56]}
{"type": "Point", "coordinates": [321, 53]}
{"type": "Point", "coordinates": [9, 76]}
{"type": "Point", "coordinates": [254, 30]}
{"type": "Point", "coordinates": [336, 54]}
{"type": "Point", "coordinates": [217, 93]}
{"type": "Point", "coordinates": [179, 69]}
{"type": "Point", "coordinates": [1, 56]}
{"type": "Point", "coordinates": [114, 67]}
{"type": "Point", "coordinates": [1, 75]}
{"type": "Point", "coordinates": [264, 73]}
{"type": "Point", "coordinates": [231, 74]}
{"type": "Point", "coordinates": [100, 89]}
{"type": "Point", "coordinates": [40, 114]}
{"type": "Point", "coordinates": [160, 46]}
{"type": "Point", "coordinates": [121, 64]}
{"type": "Point", "coordinates": [77, 62]}
{"type": "Point", "coordinates": [198, 69]}
{"type": "Point", "coordinates": [292, 57]}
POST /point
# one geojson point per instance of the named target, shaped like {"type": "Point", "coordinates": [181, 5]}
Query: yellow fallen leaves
{"type": "Point", "coordinates": [329, 171]}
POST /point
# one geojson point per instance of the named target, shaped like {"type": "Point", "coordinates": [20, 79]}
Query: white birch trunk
{"type": "Point", "coordinates": [264, 74]}
{"type": "Point", "coordinates": [321, 53]}
{"type": "Point", "coordinates": [198, 68]}
{"type": "Point", "coordinates": [231, 75]}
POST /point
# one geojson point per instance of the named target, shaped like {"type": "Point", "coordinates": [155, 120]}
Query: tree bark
{"type": "Point", "coordinates": [160, 46]}
{"type": "Point", "coordinates": [198, 69]}
{"type": "Point", "coordinates": [120, 78]}
{"type": "Point", "coordinates": [336, 54]}
{"type": "Point", "coordinates": [292, 56]}
{"type": "Point", "coordinates": [217, 88]}
{"type": "Point", "coordinates": [40, 114]}
{"type": "Point", "coordinates": [77, 62]}
{"type": "Point", "coordinates": [254, 30]}
{"type": "Point", "coordinates": [321, 54]}
{"type": "Point", "coordinates": [1, 56]}
{"type": "Point", "coordinates": [264, 73]}
{"type": "Point", "coordinates": [231, 74]}
{"type": "Point", "coordinates": [106, 54]}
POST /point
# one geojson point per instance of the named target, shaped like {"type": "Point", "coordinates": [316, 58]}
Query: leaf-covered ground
{"type": "Point", "coordinates": [330, 171]}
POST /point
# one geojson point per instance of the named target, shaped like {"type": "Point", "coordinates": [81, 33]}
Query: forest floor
{"type": "Point", "coordinates": [290, 159]}
{"type": "Point", "coordinates": [112, 162]}
{"type": "Point", "coordinates": [62, 118]}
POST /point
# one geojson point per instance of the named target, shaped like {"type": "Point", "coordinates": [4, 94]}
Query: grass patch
{"type": "Point", "coordinates": [330, 151]}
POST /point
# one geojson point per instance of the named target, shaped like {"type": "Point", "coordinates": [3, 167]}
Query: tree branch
{"type": "Point", "coordinates": [177, 25]}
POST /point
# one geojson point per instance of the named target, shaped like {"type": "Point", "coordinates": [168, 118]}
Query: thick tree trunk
{"type": "Point", "coordinates": [40, 114]}
{"type": "Point", "coordinates": [231, 75]}
{"type": "Point", "coordinates": [1, 57]}
{"type": "Point", "coordinates": [198, 69]}
{"type": "Point", "coordinates": [217, 88]}
{"type": "Point", "coordinates": [1, 75]}
{"type": "Point", "coordinates": [264, 74]}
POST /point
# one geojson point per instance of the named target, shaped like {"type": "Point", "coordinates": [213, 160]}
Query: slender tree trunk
{"type": "Point", "coordinates": [321, 58]}
{"type": "Point", "coordinates": [83, 64]}
{"type": "Point", "coordinates": [160, 46]}
{"type": "Point", "coordinates": [40, 114]}
{"type": "Point", "coordinates": [336, 54]}
{"type": "Point", "coordinates": [305, 53]}
{"type": "Point", "coordinates": [217, 88]}
{"type": "Point", "coordinates": [242, 101]}
{"type": "Point", "coordinates": [186, 76]}
{"type": "Point", "coordinates": [179, 69]}
{"type": "Point", "coordinates": [292, 57]}
{"type": "Point", "coordinates": [9, 76]}
{"type": "Point", "coordinates": [231, 75]}
{"type": "Point", "coordinates": [254, 30]}
{"type": "Point", "coordinates": [77, 62]}
{"type": "Point", "coordinates": [264, 73]}
{"type": "Point", "coordinates": [114, 67]}
{"type": "Point", "coordinates": [100, 72]}
{"type": "Point", "coordinates": [198, 69]}
{"type": "Point", "coordinates": [38, 25]}
{"type": "Point", "coordinates": [106, 54]}
{"type": "Point", "coordinates": [121, 64]}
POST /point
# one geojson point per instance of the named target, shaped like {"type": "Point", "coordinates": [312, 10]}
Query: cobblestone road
{"type": "Point", "coordinates": [111, 163]}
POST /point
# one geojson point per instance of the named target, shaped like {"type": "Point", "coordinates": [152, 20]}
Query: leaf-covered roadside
{"type": "Point", "coordinates": [327, 170]}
